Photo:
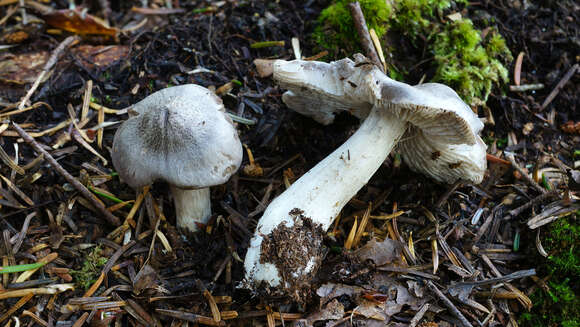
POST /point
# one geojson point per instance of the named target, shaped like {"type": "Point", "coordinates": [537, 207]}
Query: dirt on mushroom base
{"type": "Point", "coordinates": [293, 248]}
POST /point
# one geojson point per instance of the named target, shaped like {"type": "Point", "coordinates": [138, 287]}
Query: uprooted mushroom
{"type": "Point", "coordinates": [442, 141]}
{"type": "Point", "coordinates": [180, 135]}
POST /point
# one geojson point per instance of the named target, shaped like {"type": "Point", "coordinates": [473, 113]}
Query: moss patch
{"type": "Point", "coordinates": [90, 270]}
{"type": "Point", "coordinates": [560, 305]}
{"type": "Point", "coordinates": [461, 57]}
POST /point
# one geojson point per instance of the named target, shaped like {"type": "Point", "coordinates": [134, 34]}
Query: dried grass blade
{"type": "Point", "coordinates": [164, 241]}
{"type": "Point", "coordinates": [16, 190]}
{"type": "Point", "coordinates": [95, 286]}
{"type": "Point", "coordinates": [378, 47]}
{"type": "Point", "coordinates": [350, 238]}
{"type": "Point", "coordinates": [518, 68]}
{"type": "Point", "coordinates": [27, 274]}
{"type": "Point", "coordinates": [106, 110]}
{"type": "Point", "coordinates": [79, 138]}
{"type": "Point", "coordinates": [48, 290]}
{"type": "Point", "coordinates": [435, 255]}
{"type": "Point", "coordinates": [539, 244]}
{"type": "Point", "coordinates": [34, 317]}
{"type": "Point", "coordinates": [81, 320]}
{"type": "Point", "coordinates": [10, 163]}
{"type": "Point", "coordinates": [215, 311]}
{"type": "Point", "coordinates": [22, 234]}
{"type": "Point", "coordinates": [139, 313]}
{"type": "Point", "coordinates": [270, 317]}
{"type": "Point", "coordinates": [390, 216]}
{"type": "Point", "coordinates": [521, 297]}
{"type": "Point", "coordinates": [16, 306]}
{"type": "Point", "coordinates": [100, 121]}
{"type": "Point", "coordinates": [87, 99]}
{"type": "Point", "coordinates": [363, 225]}
{"type": "Point", "coordinates": [19, 111]}
{"type": "Point", "coordinates": [77, 126]}
{"type": "Point", "coordinates": [229, 315]}
{"type": "Point", "coordinates": [191, 317]}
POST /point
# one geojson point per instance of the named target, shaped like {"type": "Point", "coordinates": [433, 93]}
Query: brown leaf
{"type": "Point", "coordinates": [333, 310]}
{"type": "Point", "coordinates": [100, 56]}
{"type": "Point", "coordinates": [22, 68]}
{"type": "Point", "coordinates": [380, 253]}
{"type": "Point", "coordinates": [75, 21]}
{"type": "Point", "coordinates": [146, 278]}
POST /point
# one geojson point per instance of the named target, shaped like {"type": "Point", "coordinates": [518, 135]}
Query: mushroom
{"type": "Point", "coordinates": [431, 115]}
{"type": "Point", "coordinates": [180, 135]}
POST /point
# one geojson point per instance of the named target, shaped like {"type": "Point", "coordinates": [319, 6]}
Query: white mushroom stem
{"type": "Point", "coordinates": [323, 191]}
{"type": "Point", "coordinates": [192, 207]}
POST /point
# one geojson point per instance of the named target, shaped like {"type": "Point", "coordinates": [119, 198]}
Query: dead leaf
{"type": "Point", "coordinates": [528, 128]}
{"type": "Point", "coordinates": [380, 253]}
{"type": "Point", "coordinates": [332, 290]}
{"type": "Point", "coordinates": [100, 56]}
{"type": "Point", "coordinates": [22, 68]}
{"type": "Point", "coordinates": [333, 310]}
{"type": "Point", "coordinates": [79, 22]}
{"type": "Point", "coordinates": [147, 278]}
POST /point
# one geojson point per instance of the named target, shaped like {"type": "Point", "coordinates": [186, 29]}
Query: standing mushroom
{"type": "Point", "coordinates": [180, 135]}
{"type": "Point", "coordinates": [306, 209]}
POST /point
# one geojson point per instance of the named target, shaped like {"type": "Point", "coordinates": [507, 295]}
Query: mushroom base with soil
{"type": "Point", "coordinates": [315, 200]}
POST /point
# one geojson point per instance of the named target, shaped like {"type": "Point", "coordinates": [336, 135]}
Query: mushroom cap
{"type": "Point", "coordinates": [441, 125]}
{"type": "Point", "coordinates": [321, 89]}
{"type": "Point", "coordinates": [316, 89]}
{"type": "Point", "coordinates": [180, 135]}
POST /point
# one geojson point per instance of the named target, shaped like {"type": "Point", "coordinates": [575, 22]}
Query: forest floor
{"type": "Point", "coordinates": [502, 252]}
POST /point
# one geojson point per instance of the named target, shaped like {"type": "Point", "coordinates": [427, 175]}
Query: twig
{"type": "Point", "coordinates": [524, 174]}
{"type": "Point", "coordinates": [363, 32]}
{"type": "Point", "coordinates": [73, 181]}
{"type": "Point", "coordinates": [48, 66]}
{"type": "Point", "coordinates": [526, 87]}
{"type": "Point", "coordinates": [537, 200]}
{"type": "Point", "coordinates": [419, 315]}
{"type": "Point", "coordinates": [191, 317]}
{"type": "Point", "coordinates": [560, 85]}
{"type": "Point", "coordinates": [448, 304]}
{"type": "Point", "coordinates": [23, 12]}
{"type": "Point", "coordinates": [447, 193]}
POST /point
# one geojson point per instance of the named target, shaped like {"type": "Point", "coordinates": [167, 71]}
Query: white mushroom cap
{"type": "Point", "coordinates": [180, 135]}
{"type": "Point", "coordinates": [439, 159]}
{"type": "Point", "coordinates": [439, 120]}
{"type": "Point", "coordinates": [317, 89]}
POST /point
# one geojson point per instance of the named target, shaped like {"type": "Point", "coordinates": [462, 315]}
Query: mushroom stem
{"type": "Point", "coordinates": [321, 194]}
{"type": "Point", "coordinates": [192, 207]}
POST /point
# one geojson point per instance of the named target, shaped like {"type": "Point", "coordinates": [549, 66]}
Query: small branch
{"type": "Point", "coordinates": [47, 67]}
{"type": "Point", "coordinates": [73, 181]}
{"type": "Point", "coordinates": [528, 179]}
{"type": "Point", "coordinates": [560, 85]}
{"type": "Point", "coordinates": [526, 87]}
{"type": "Point", "coordinates": [537, 200]}
{"type": "Point", "coordinates": [448, 304]}
{"type": "Point", "coordinates": [363, 32]}
{"type": "Point", "coordinates": [419, 315]}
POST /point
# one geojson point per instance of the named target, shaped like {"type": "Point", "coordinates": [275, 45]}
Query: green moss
{"type": "Point", "coordinates": [560, 305]}
{"type": "Point", "coordinates": [462, 58]}
{"type": "Point", "coordinates": [336, 31]}
{"type": "Point", "coordinates": [88, 274]}
{"type": "Point", "coordinates": [465, 62]}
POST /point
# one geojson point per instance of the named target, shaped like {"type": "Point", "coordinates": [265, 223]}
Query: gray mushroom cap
{"type": "Point", "coordinates": [180, 135]}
